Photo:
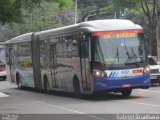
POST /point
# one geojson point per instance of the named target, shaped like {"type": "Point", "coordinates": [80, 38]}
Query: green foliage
{"type": "Point", "coordinates": [10, 11]}
{"type": "Point", "coordinates": [125, 3]}
{"type": "Point", "coordinates": [90, 7]}
{"type": "Point", "coordinates": [47, 16]}
{"type": "Point", "coordinates": [29, 4]}
{"type": "Point", "coordinates": [87, 11]}
{"type": "Point", "coordinates": [63, 3]}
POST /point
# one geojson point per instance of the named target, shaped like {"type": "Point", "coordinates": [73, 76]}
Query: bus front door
{"type": "Point", "coordinates": [11, 65]}
{"type": "Point", "coordinates": [53, 65]}
{"type": "Point", "coordinates": [85, 66]}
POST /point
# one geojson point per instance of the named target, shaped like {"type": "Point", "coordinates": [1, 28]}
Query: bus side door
{"type": "Point", "coordinates": [85, 65]}
{"type": "Point", "coordinates": [11, 65]}
{"type": "Point", "coordinates": [53, 65]}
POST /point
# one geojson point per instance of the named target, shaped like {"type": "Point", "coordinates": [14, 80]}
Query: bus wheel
{"type": "Point", "coordinates": [126, 92]}
{"type": "Point", "coordinates": [3, 78]}
{"type": "Point", "coordinates": [77, 90]}
{"type": "Point", "coordinates": [18, 79]}
{"type": "Point", "coordinates": [46, 86]}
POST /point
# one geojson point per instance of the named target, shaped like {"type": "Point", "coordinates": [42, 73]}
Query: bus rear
{"type": "Point", "coordinates": [119, 61]}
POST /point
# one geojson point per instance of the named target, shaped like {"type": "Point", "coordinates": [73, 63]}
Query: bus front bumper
{"type": "Point", "coordinates": [103, 83]}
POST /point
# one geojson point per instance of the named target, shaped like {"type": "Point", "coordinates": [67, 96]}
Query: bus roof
{"type": "Point", "coordinates": [23, 37]}
{"type": "Point", "coordinates": [89, 26]}
{"type": "Point", "coordinates": [92, 26]}
{"type": "Point", "coordinates": [109, 25]}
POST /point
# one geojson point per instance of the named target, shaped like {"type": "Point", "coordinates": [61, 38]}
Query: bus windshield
{"type": "Point", "coordinates": [120, 47]}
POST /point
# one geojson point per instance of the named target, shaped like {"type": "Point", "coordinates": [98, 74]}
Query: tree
{"type": "Point", "coordinates": [38, 17]}
{"type": "Point", "coordinates": [148, 8]}
{"type": "Point", "coordinates": [90, 7]}
{"type": "Point", "coordinates": [11, 10]}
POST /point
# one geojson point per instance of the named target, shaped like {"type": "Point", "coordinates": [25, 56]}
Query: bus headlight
{"type": "Point", "coordinates": [99, 73]}
{"type": "Point", "coordinates": [147, 69]}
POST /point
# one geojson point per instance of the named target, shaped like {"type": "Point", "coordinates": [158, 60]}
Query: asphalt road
{"type": "Point", "coordinates": [97, 107]}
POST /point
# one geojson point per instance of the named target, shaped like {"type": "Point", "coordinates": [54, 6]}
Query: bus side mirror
{"type": "Point", "coordinates": [83, 36]}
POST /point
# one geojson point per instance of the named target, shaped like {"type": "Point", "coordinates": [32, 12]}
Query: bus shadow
{"type": "Point", "coordinates": [155, 85]}
{"type": "Point", "coordinates": [104, 96]}
{"type": "Point", "coordinates": [107, 96]}
{"type": "Point", "coordinates": [1, 79]}
{"type": "Point", "coordinates": [110, 96]}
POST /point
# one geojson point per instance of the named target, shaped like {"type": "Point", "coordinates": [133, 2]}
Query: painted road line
{"type": "Point", "coordinates": [140, 103]}
{"type": "Point", "coordinates": [152, 91]}
{"type": "Point", "coordinates": [71, 110]}
{"type": "Point", "coordinates": [3, 95]}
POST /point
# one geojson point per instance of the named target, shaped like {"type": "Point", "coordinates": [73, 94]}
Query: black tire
{"type": "Point", "coordinates": [3, 78]}
{"type": "Point", "coordinates": [77, 90]}
{"type": "Point", "coordinates": [126, 92]}
{"type": "Point", "coordinates": [158, 79]}
{"type": "Point", "coordinates": [18, 79]}
{"type": "Point", "coordinates": [46, 86]}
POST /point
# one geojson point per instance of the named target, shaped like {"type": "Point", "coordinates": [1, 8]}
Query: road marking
{"type": "Point", "coordinates": [71, 110]}
{"type": "Point", "coordinates": [3, 95]}
{"type": "Point", "coordinates": [149, 91]}
{"type": "Point", "coordinates": [140, 103]}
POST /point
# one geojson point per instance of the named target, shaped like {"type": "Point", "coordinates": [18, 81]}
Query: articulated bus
{"type": "Point", "coordinates": [101, 55]}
